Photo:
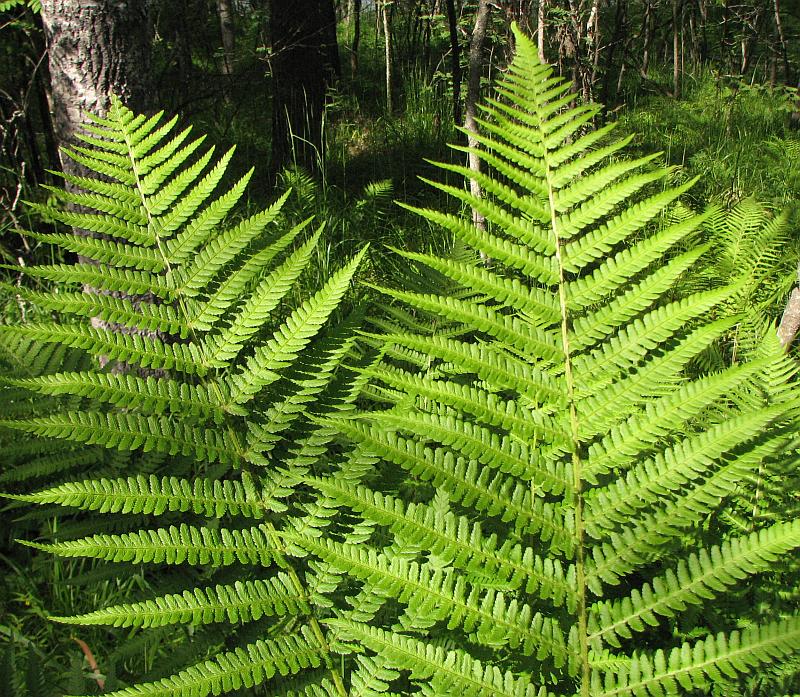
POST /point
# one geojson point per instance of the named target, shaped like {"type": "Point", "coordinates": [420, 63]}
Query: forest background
{"type": "Point", "coordinates": [343, 101]}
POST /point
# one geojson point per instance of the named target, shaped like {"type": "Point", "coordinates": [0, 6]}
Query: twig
{"type": "Point", "coordinates": [98, 677]}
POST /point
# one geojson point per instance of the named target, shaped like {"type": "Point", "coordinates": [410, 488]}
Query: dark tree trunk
{"type": "Point", "coordinates": [616, 39]}
{"type": "Point", "coordinates": [95, 48]}
{"type": "Point", "coordinates": [330, 43]}
{"type": "Point", "coordinates": [354, 21]}
{"type": "Point", "coordinates": [455, 55]}
{"type": "Point", "coordinates": [301, 71]}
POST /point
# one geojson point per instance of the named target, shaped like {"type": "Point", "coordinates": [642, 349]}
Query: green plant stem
{"type": "Point", "coordinates": [580, 564]}
{"type": "Point", "coordinates": [283, 562]}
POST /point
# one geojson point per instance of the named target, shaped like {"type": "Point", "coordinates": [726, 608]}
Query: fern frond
{"type": "Point", "coordinates": [692, 666]}
{"type": "Point", "coordinates": [698, 578]}
{"type": "Point", "coordinates": [447, 670]}
{"type": "Point", "coordinates": [243, 667]}
{"type": "Point", "coordinates": [129, 431]}
{"type": "Point", "coordinates": [244, 601]}
{"type": "Point", "coordinates": [173, 545]}
{"type": "Point", "coordinates": [154, 495]}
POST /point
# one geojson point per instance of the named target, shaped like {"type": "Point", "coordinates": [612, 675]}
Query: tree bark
{"type": "Point", "coordinates": [95, 48]}
{"type": "Point", "coordinates": [354, 21]}
{"type": "Point", "coordinates": [225, 11]}
{"type": "Point", "coordinates": [647, 30]}
{"type": "Point", "coordinates": [781, 39]}
{"type": "Point", "coordinates": [541, 12]}
{"type": "Point", "coordinates": [301, 71]}
{"type": "Point", "coordinates": [387, 35]}
{"type": "Point", "coordinates": [676, 49]}
{"type": "Point", "coordinates": [455, 57]}
{"type": "Point", "coordinates": [473, 94]}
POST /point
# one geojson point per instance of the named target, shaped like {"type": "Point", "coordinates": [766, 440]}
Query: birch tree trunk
{"type": "Point", "coordinates": [473, 94]}
{"type": "Point", "coordinates": [95, 48]}
{"type": "Point", "coordinates": [676, 49]}
{"type": "Point", "coordinates": [225, 11]}
{"type": "Point", "coordinates": [387, 34]}
{"type": "Point", "coordinates": [541, 11]}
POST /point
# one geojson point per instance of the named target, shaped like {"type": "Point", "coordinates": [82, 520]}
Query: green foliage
{"type": "Point", "coordinates": [187, 342]}
{"type": "Point", "coordinates": [737, 135]}
{"type": "Point", "coordinates": [565, 417]}
{"type": "Point", "coordinates": [539, 492]}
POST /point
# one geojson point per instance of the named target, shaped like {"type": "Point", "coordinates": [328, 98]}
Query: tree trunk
{"type": "Point", "coordinates": [455, 55]}
{"type": "Point", "coordinates": [781, 39]}
{"type": "Point", "coordinates": [616, 39]}
{"type": "Point", "coordinates": [387, 35]}
{"type": "Point", "coordinates": [647, 29]}
{"type": "Point", "coordinates": [95, 48]}
{"type": "Point", "coordinates": [676, 49]}
{"type": "Point", "coordinates": [301, 71]}
{"type": "Point", "coordinates": [330, 42]}
{"type": "Point", "coordinates": [592, 50]}
{"type": "Point", "coordinates": [473, 94]}
{"type": "Point", "coordinates": [354, 21]}
{"type": "Point", "coordinates": [541, 12]}
{"type": "Point", "coordinates": [225, 11]}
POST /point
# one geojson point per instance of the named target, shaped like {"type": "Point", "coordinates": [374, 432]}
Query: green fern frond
{"type": "Point", "coordinates": [244, 601]}
{"type": "Point", "coordinates": [243, 667]}
{"type": "Point", "coordinates": [173, 325]}
{"type": "Point", "coordinates": [565, 415]}
{"type": "Point", "coordinates": [173, 545]}
{"type": "Point", "coordinates": [154, 495]}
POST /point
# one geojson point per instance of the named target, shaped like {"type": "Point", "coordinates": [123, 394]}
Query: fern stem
{"type": "Point", "coordinates": [316, 628]}
{"type": "Point", "coordinates": [580, 564]}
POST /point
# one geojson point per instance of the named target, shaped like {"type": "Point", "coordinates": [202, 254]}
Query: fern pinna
{"type": "Point", "coordinates": [537, 496]}
{"type": "Point", "coordinates": [205, 358]}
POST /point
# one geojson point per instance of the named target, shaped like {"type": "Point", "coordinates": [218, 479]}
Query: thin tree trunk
{"type": "Point", "coordinates": [225, 11]}
{"type": "Point", "coordinates": [616, 39]}
{"type": "Point", "coordinates": [455, 56]}
{"type": "Point", "coordinates": [648, 37]}
{"type": "Point", "coordinates": [387, 32]}
{"type": "Point", "coordinates": [723, 43]}
{"type": "Point", "coordinates": [473, 94]}
{"type": "Point", "coordinates": [541, 12]}
{"type": "Point", "coordinates": [354, 20]}
{"type": "Point", "coordinates": [776, 11]}
{"type": "Point", "coordinates": [676, 49]}
{"type": "Point", "coordinates": [703, 7]}
{"type": "Point", "coordinates": [592, 51]}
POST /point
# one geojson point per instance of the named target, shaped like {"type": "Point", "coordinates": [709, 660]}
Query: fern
{"type": "Point", "coordinates": [187, 322]}
{"type": "Point", "coordinates": [532, 501]}
{"type": "Point", "coordinates": [565, 418]}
